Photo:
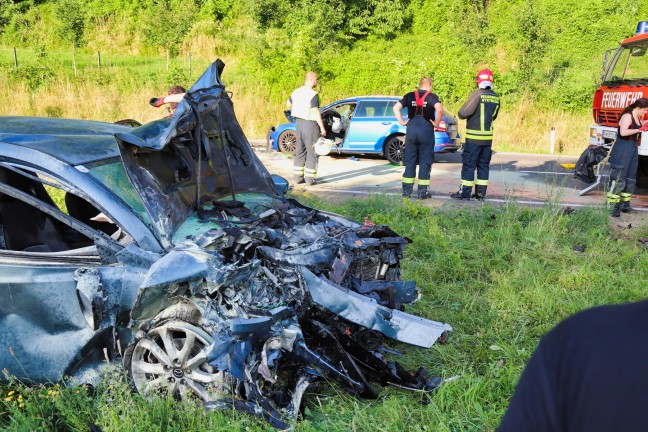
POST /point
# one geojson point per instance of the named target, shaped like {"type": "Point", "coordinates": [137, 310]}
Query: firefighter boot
{"type": "Point", "coordinates": [408, 188]}
{"type": "Point", "coordinates": [625, 202]}
{"type": "Point", "coordinates": [625, 207]}
{"type": "Point", "coordinates": [423, 193]}
{"type": "Point", "coordinates": [614, 200]}
{"type": "Point", "coordinates": [480, 192]}
{"type": "Point", "coordinates": [463, 193]}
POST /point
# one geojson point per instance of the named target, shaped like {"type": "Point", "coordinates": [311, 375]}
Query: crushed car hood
{"type": "Point", "coordinates": [198, 155]}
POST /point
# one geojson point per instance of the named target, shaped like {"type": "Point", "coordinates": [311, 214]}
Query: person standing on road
{"type": "Point", "coordinates": [480, 110]}
{"type": "Point", "coordinates": [424, 113]}
{"type": "Point", "coordinates": [304, 104]}
{"type": "Point", "coordinates": [624, 156]}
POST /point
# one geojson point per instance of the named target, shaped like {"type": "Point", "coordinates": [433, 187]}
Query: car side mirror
{"type": "Point", "coordinates": [280, 182]}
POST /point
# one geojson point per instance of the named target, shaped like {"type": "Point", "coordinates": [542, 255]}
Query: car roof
{"type": "Point", "coordinates": [361, 98]}
{"type": "Point", "coordinates": [75, 142]}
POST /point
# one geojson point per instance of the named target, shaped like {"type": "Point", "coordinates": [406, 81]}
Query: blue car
{"type": "Point", "coordinates": [368, 126]}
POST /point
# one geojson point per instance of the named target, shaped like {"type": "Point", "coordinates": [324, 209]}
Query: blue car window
{"type": "Point", "coordinates": [345, 110]}
{"type": "Point", "coordinates": [374, 109]}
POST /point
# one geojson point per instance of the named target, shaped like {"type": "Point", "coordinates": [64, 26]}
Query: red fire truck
{"type": "Point", "coordinates": [624, 80]}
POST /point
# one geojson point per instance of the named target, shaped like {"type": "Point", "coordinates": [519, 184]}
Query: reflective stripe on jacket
{"type": "Point", "coordinates": [480, 110]}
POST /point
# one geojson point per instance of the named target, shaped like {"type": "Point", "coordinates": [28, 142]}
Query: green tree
{"type": "Point", "coordinates": [165, 23]}
{"type": "Point", "coordinates": [69, 23]}
{"type": "Point", "coordinates": [379, 17]}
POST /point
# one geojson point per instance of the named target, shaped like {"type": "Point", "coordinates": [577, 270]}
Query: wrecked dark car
{"type": "Point", "coordinates": [176, 254]}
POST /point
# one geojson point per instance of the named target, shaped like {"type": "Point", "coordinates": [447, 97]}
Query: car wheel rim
{"type": "Point", "coordinates": [288, 142]}
{"type": "Point", "coordinates": [396, 149]}
{"type": "Point", "coordinates": [171, 359]}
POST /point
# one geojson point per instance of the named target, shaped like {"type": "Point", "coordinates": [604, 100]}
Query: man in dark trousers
{"type": "Point", "coordinates": [424, 113]}
{"type": "Point", "coordinates": [304, 103]}
{"type": "Point", "coordinates": [480, 110]}
{"type": "Point", "coordinates": [588, 374]}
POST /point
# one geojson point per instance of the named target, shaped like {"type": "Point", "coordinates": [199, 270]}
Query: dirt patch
{"type": "Point", "coordinates": [627, 225]}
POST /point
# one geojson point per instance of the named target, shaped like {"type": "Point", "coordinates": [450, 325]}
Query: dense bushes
{"type": "Point", "coordinates": [548, 50]}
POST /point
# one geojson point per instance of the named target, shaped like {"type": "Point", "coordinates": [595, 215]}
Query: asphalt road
{"type": "Point", "coordinates": [524, 178]}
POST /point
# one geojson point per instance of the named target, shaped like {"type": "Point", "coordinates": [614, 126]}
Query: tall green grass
{"type": "Point", "coordinates": [501, 276]}
{"type": "Point", "coordinates": [44, 84]}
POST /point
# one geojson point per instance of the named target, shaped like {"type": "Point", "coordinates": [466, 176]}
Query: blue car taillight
{"type": "Point", "coordinates": [442, 126]}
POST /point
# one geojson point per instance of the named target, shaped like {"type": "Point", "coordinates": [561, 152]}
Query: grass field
{"type": "Point", "coordinates": [44, 84]}
{"type": "Point", "coordinates": [500, 275]}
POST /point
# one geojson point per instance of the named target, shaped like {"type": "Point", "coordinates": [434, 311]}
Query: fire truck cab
{"type": "Point", "coordinates": [624, 80]}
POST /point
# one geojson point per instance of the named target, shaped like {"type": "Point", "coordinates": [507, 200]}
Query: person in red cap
{"type": "Point", "coordinates": [480, 110]}
{"type": "Point", "coordinates": [175, 96]}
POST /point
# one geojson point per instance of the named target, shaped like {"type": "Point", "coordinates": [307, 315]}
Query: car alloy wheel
{"type": "Point", "coordinates": [394, 149]}
{"type": "Point", "coordinates": [171, 359]}
{"type": "Point", "coordinates": [287, 141]}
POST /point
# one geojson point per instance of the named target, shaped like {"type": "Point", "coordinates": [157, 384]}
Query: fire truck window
{"type": "Point", "coordinates": [631, 64]}
{"type": "Point", "coordinates": [618, 72]}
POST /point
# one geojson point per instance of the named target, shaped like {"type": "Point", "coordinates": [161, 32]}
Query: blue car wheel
{"type": "Point", "coordinates": [287, 141]}
{"type": "Point", "coordinates": [394, 149]}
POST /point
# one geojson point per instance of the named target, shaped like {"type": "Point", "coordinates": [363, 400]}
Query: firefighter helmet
{"type": "Point", "coordinates": [323, 146]}
{"type": "Point", "coordinates": [484, 75]}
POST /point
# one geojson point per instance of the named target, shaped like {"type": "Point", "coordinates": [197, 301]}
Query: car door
{"type": "Point", "coordinates": [372, 122]}
{"type": "Point", "coordinates": [59, 281]}
{"type": "Point", "coordinates": [345, 113]}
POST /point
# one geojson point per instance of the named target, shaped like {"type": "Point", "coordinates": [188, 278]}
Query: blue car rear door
{"type": "Point", "coordinates": [372, 122]}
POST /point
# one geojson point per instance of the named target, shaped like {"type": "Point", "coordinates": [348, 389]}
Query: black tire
{"type": "Point", "coordinates": [394, 149]}
{"type": "Point", "coordinates": [129, 122]}
{"type": "Point", "coordinates": [642, 173]}
{"type": "Point", "coordinates": [287, 141]}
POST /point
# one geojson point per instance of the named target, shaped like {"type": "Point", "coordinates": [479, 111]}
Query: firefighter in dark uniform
{"type": "Point", "coordinates": [480, 110]}
{"type": "Point", "coordinates": [304, 103]}
{"type": "Point", "coordinates": [424, 112]}
{"type": "Point", "coordinates": [624, 156]}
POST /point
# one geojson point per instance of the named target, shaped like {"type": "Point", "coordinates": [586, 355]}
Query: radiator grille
{"type": "Point", "coordinates": [609, 117]}
{"type": "Point", "coordinates": [365, 269]}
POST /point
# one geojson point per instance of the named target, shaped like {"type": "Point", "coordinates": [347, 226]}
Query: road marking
{"type": "Point", "coordinates": [443, 197]}
{"type": "Point", "coordinates": [545, 172]}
